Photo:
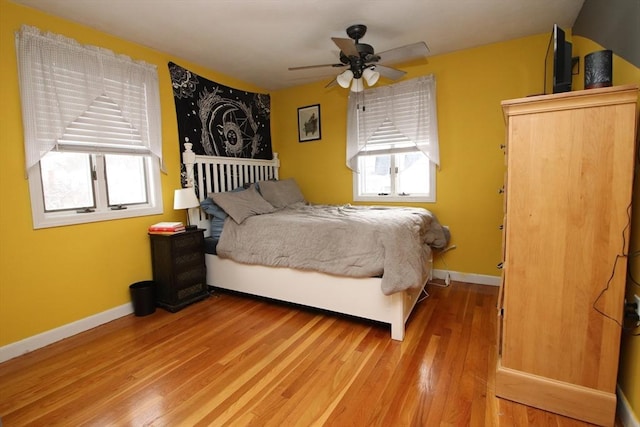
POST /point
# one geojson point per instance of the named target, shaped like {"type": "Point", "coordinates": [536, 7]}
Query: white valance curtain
{"type": "Point", "coordinates": [85, 98]}
{"type": "Point", "coordinates": [391, 118]}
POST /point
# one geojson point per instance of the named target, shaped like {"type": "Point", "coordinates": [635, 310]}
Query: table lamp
{"type": "Point", "coordinates": [185, 198]}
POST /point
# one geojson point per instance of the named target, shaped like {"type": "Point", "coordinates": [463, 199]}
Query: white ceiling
{"type": "Point", "coordinates": [257, 40]}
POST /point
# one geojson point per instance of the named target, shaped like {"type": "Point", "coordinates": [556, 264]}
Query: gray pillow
{"type": "Point", "coordinates": [240, 205]}
{"type": "Point", "coordinates": [281, 193]}
{"type": "Point", "coordinates": [211, 208]}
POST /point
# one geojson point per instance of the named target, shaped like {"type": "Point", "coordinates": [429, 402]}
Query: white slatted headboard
{"type": "Point", "coordinates": [213, 174]}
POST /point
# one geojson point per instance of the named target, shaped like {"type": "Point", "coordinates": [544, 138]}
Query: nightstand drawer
{"type": "Point", "coordinates": [190, 291]}
{"type": "Point", "coordinates": [187, 259]}
{"type": "Point", "coordinates": [190, 275]}
{"type": "Point", "coordinates": [188, 242]}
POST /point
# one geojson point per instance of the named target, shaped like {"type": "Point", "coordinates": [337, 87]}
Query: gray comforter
{"type": "Point", "coordinates": [357, 241]}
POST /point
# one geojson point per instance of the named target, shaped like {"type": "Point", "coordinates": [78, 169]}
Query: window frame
{"type": "Point", "coordinates": [394, 197]}
{"type": "Point", "coordinates": [102, 212]}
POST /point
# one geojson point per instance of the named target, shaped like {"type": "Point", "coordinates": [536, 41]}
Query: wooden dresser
{"type": "Point", "coordinates": [570, 160]}
{"type": "Point", "coordinates": [179, 269]}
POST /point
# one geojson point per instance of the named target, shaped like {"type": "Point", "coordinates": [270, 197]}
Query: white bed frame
{"type": "Point", "coordinates": [360, 297]}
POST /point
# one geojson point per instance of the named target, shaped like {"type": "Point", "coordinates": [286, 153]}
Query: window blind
{"type": "Point", "coordinates": [85, 99]}
{"type": "Point", "coordinates": [394, 118]}
{"type": "Point", "coordinates": [102, 128]}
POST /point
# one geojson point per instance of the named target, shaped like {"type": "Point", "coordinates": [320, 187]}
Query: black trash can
{"type": "Point", "coordinates": [143, 297]}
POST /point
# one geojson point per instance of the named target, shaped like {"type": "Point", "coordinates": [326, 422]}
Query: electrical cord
{"type": "Point", "coordinates": [613, 272]}
{"type": "Point", "coordinates": [425, 296]}
{"type": "Point", "coordinates": [629, 256]}
{"type": "Point", "coordinates": [632, 279]}
{"type": "Point", "coordinates": [447, 279]}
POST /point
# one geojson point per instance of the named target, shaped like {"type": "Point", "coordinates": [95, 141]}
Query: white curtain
{"type": "Point", "coordinates": [63, 83]}
{"type": "Point", "coordinates": [409, 108]}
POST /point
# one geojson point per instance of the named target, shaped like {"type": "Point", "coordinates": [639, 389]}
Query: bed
{"type": "Point", "coordinates": [368, 294]}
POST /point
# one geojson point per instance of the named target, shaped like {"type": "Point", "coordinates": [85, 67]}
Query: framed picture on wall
{"type": "Point", "coordinates": [309, 123]}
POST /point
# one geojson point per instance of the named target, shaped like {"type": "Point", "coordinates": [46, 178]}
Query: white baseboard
{"type": "Point", "coordinates": [625, 412]}
{"type": "Point", "coordinates": [49, 337]}
{"type": "Point", "coordinates": [479, 279]}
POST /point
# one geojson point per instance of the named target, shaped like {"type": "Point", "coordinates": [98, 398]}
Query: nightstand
{"type": "Point", "coordinates": [179, 270]}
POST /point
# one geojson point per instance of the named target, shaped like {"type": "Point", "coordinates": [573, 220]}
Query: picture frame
{"type": "Point", "coordinates": [309, 123]}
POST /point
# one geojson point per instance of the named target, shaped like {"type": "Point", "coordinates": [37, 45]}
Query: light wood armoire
{"type": "Point", "coordinates": [570, 160]}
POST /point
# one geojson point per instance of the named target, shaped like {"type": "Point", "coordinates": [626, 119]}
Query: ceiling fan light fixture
{"type": "Point", "coordinates": [344, 79]}
{"type": "Point", "coordinates": [371, 76]}
{"type": "Point", "coordinates": [357, 85]}
{"type": "Point", "coordinates": [363, 64]}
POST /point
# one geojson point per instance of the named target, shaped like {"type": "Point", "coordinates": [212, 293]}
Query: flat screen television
{"type": "Point", "coordinates": [557, 72]}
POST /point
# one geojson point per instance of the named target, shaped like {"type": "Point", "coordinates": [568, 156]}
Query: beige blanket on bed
{"type": "Point", "coordinates": [357, 241]}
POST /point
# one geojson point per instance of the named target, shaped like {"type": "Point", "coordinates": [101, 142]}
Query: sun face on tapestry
{"type": "Point", "coordinates": [219, 120]}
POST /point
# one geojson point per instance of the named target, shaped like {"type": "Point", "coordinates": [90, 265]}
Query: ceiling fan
{"type": "Point", "coordinates": [363, 63]}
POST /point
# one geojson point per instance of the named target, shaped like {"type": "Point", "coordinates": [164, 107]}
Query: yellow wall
{"type": "Point", "coordinates": [629, 371]}
{"type": "Point", "coordinates": [52, 277]}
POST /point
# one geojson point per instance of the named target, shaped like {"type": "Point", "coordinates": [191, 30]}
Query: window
{"type": "Point", "coordinates": [392, 142]}
{"type": "Point", "coordinates": [92, 131]}
{"type": "Point", "coordinates": [72, 181]}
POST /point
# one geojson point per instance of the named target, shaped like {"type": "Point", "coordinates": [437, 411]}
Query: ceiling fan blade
{"type": "Point", "coordinates": [347, 46]}
{"type": "Point", "coordinates": [404, 53]}
{"type": "Point", "coordinates": [331, 83]}
{"type": "Point", "coordinates": [307, 67]}
{"type": "Point", "coordinates": [390, 73]}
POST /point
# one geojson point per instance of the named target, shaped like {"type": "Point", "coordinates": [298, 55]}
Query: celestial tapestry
{"type": "Point", "coordinates": [220, 120]}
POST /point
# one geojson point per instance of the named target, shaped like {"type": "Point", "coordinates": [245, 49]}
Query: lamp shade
{"type": "Point", "coordinates": [370, 76]}
{"type": "Point", "coordinates": [344, 78]}
{"type": "Point", "coordinates": [185, 198]}
{"type": "Point", "coordinates": [357, 85]}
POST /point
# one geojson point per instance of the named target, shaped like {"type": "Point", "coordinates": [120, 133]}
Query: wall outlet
{"type": "Point", "coordinates": [637, 300]}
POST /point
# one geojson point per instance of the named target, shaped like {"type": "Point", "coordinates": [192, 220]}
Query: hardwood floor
{"type": "Point", "coordinates": [235, 360]}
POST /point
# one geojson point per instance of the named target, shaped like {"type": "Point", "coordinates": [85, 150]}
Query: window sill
{"type": "Point", "coordinates": [67, 218]}
{"type": "Point", "coordinates": [407, 199]}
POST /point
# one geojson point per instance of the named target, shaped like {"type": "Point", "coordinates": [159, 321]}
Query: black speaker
{"type": "Point", "coordinates": [598, 68]}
